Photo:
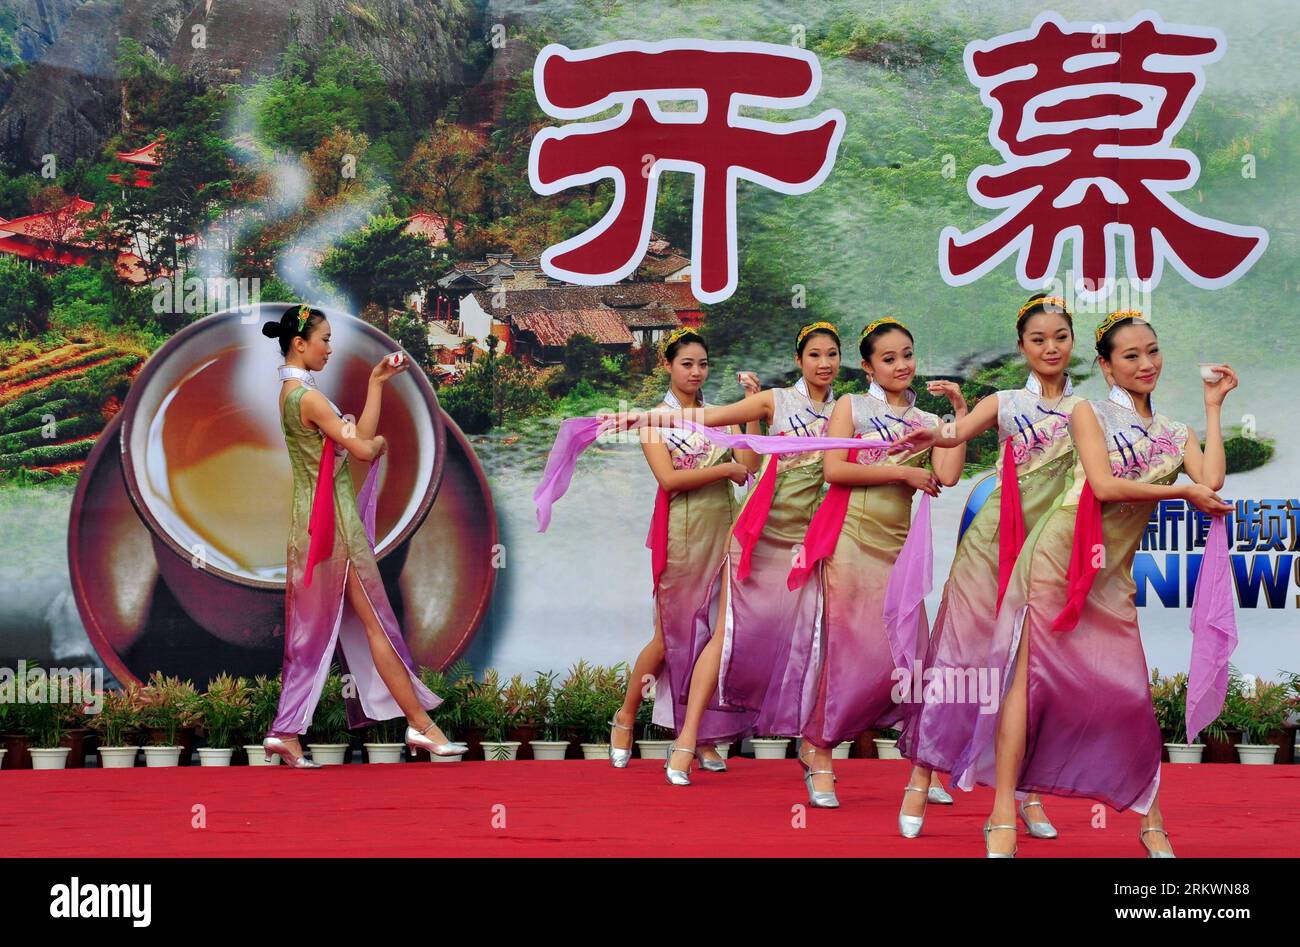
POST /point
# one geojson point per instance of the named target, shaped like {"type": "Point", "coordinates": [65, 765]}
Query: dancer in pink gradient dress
{"type": "Point", "coordinates": [863, 524]}
{"type": "Point", "coordinates": [1076, 718]}
{"type": "Point", "coordinates": [333, 590]}
{"type": "Point", "coordinates": [694, 510]}
{"type": "Point", "coordinates": [1035, 459]}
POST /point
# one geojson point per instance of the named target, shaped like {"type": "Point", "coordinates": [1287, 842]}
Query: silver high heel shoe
{"type": "Point", "coordinates": [991, 854]}
{"type": "Point", "coordinates": [909, 826]}
{"type": "Point", "coordinates": [1043, 829]}
{"type": "Point", "coordinates": [618, 758]}
{"type": "Point", "coordinates": [713, 766]}
{"type": "Point", "coordinates": [816, 798]}
{"type": "Point", "coordinates": [939, 795]}
{"type": "Point", "coordinates": [281, 748]}
{"type": "Point", "coordinates": [677, 777]}
{"type": "Point", "coordinates": [417, 740]}
{"type": "Point", "coordinates": [1151, 852]}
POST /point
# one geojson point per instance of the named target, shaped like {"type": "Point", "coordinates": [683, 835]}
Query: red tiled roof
{"type": "Point", "coordinates": [556, 328]}
{"type": "Point", "coordinates": [24, 225]}
{"type": "Point", "coordinates": [146, 157]}
{"type": "Point", "coordinates": [677, 296]}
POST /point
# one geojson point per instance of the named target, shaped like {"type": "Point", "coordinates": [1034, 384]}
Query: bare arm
{"type": "Point", "coordinates": [316, 412]}
{"type": "Point", "coordinates": [836, 467]}
{"type": "Point", "coordinates": [1210, 467]}
{"type": "Point", "coordinates": [947, 461]}
{"type": "Point", "coordinates": [1091, 445]}
{"type": "Point", "coordinates": [674, 480]}
{"type": "Point", "coordinates": [368, 423]}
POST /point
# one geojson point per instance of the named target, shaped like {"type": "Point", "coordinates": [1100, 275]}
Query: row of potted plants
{"type": "Point", "coordinates": [1256, 725]}
{"type": "Point", "coordinates": [507, 719]}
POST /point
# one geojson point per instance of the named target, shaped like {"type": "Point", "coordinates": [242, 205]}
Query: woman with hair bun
{"type": "Point", "coordinates": [333, 590]}
{"type": "Point", "coordinates": [1077, 718]}
{"type": "Point", "coordinates": [1034, 461]}
{"type": "Point", "coordinates": [694, 510]}
{"type": "Point", "coordinates": [762, 658]}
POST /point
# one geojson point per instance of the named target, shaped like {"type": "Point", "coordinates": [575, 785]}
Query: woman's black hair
{"type": "Point", "coordinates": [1041, 301]}
{"type": "Point", "coordinates": [867, 344]}
{"type": "Point", "coordinates": [688, 337]}
{"type": "Point", "coordinates": [820, 330]}
{"type": "Point", "coordinates": [286, 329]}
{"type": "Point", "coordinates": [1106, 344]}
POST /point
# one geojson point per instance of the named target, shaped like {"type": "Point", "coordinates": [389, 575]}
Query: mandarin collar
{"type": "Point", "coordinates": [878, 393]}
{"type": "Point", "coordinates": [1035, 386]}
{"type": "Point", "coordinates": [1122, 398]}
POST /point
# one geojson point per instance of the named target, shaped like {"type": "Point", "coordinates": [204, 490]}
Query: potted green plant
{"type": "Point", "coordinates": [76, 729]}
{"type": "Point", "coordinates": [655, 740]}
{"type": "Point", "coordinates": [529, 718]}
{"type": "Point", "coordinates": [541, 701]}
{"type": "Point", "coordinates": [1169, 701]}
{"type": "Point", "coordinates": [887, 745]}
{"type": "Point", "coordinates": [606, 689]}
{"type": "Point", "coordinates": [263, 705]}
{"type": "Point", "coordinates": [116, 724]}
{"type": "Point", "coordinates": [385, 744]}
{"type": "Point", "coordinates": [222, 710]}
{"type": "Point", "coordinates": [769, 747]}
{"type": "Point", "coordinates": [496, 714]}
{"type": "Point", "coordinates": [572, 709]}
{"type": "Point", "coordinates": [46, 722]}
{"type": "Point", "coordinates": [328, 732]}
{"type": "Point", "coordinates": [167, 704]}
{"type": "Point", "coordinates": [1258, 709]}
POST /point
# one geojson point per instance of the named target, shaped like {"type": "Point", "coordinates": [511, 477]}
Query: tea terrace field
{"type": "Point", "coordinates": [56, 396]}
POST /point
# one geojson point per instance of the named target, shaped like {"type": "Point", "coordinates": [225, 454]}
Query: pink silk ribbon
{"type": "Point", "coordinates": [320, 526]}
{"type": "Point", "coordinates": [657, 540]}
{"type": "Point", "coordinates": [577, 434]}
{"type": "Point", "coordinates": [1214, 632]}
{"type": "Point", "coordinates": [1082, 572]}
{"type": "Point", "coordinates": [1011, 524]}
{"type": "Point", "coordinates": [823, 530]}
{"type": "Point", "coordinates": [910, 581]}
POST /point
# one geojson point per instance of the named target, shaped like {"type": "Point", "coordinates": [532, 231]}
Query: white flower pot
{"type": "Point", "coordinates": [327, 754]}
{"type": "Point", "coordinates": [52, 757]}
{"type": "Point", "coordinates": [841, 751]}
{"type": "Point", "coordinates": [2, 756]}
{"type": "Point", "coordinates": [595, 751]}
{"type": "Point", "coordinates": [446, 759]}
{"type": "Point", "coordinates": [1185, 752]}
{"type": "Point", "coordinates": [654, 749]}
{"type": "Point", "coordinates": [506, 750]}
{"type": "Point", "coordinates": [724, 749]}
{"type": "Point", "coordinates": [215, 755]}
{"type": "Point", "coordinates": [118, 757]}
{"type": "Point", "coordinates": [769, 749]}
{"type": "Point", "coordinates": [162, 755]}
{"type": "Point", "coordinates": [887, 749]}
{"type": "Point", "coordinates": [1256, 754]}
{"type": "Point", "coordinates": [549, 749]}
{"type": "Point", "coordinates": [382, 752]}
{"type": "Point", "coordinates": [257, 755]}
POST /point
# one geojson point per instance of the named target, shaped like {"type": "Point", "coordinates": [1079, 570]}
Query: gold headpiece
{"type": "Point", "coordinates": [812, 327]}
{"type": "Point", "coordinates": [1115, 317]}
{"type": "Point", "coordinates": [1042, 301]}
{"type": "Point", "coordinates": [883, 320]}
{"type": "Point", "coordinates": [304, 313]}
{"type": "Point", "coordinates": [675, 335]}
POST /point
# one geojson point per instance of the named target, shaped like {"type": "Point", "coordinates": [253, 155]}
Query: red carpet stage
{"type": "Point", "coordinates": [590, 809]}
